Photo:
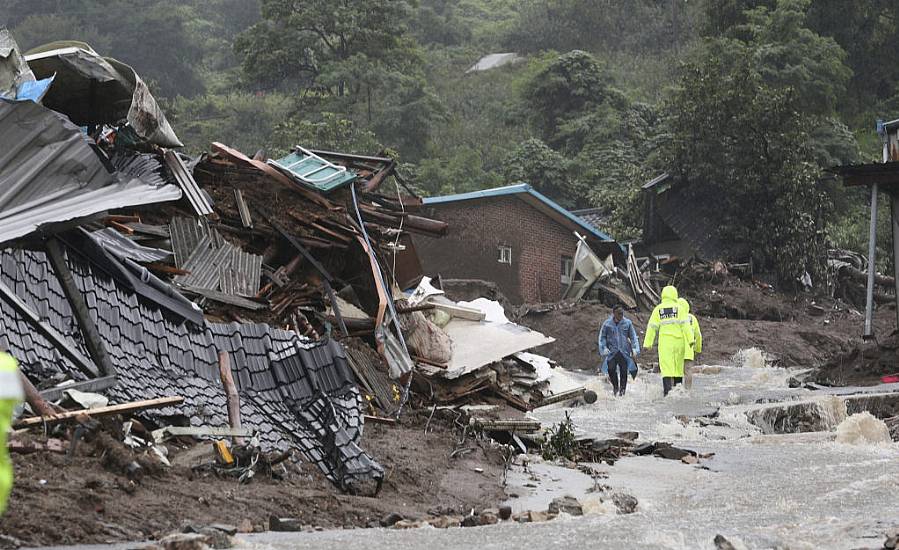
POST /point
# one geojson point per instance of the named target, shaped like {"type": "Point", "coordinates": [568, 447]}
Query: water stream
{"type": "Point", "coordinates": [765, 487]}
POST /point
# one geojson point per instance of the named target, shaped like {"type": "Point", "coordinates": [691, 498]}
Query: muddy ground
{"type": "Point", "coordinates": [57, 503]}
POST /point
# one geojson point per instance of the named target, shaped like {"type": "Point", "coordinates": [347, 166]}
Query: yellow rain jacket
{"type": "Point", "coordinates": [671, 322]}
{"type": "Point", "coordinates": [691, 351]}
{"type": "Point", "coordinates": [10, 396]}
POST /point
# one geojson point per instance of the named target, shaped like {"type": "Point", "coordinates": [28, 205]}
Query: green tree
{"type": "Point", "coordinates": [536, 163]}
{"type": "Point", "coordinates": [313, 43]}
{"type": "Point", "coordinates": [739, 144]}
{"type": "Point", "coordinates": [788, 53]}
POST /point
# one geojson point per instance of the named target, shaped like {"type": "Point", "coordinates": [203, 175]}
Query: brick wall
{"type": "Point", "coordinates": [478, 227]}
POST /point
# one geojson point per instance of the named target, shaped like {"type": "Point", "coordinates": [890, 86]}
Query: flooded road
{"type": "Point", "coordinates": [761, 489]}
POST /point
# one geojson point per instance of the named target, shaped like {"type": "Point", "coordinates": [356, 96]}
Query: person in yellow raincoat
{"type": "Point", "coordinates": [670, 321]}
{"type": "Point", "coordinates": [10, 396]}
{"type": "Point", "coordinates": [690, 352]}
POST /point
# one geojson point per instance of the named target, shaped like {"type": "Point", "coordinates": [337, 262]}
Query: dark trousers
{"type": "Point", "coordinates": [618, 372]}
{"type": "Point", "coordinates": [668, 382]}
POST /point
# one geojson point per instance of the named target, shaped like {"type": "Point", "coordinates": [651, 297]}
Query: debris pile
{"type": "Point", "coordinates": [266, 307]}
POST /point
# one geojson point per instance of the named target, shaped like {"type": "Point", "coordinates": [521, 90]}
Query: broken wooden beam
{"type": "Point", "coordinates": [379, 419]}
{"type": "Point", "coordinates": [89, 331]}
{"type": "Point", "coordinates": [524, 425]}
{"type": "Point", "coordinates": [100, 411]}
{"type": "Point", "coordinates": [231, 395]}
{"type": "Point", "coordinates": [568, 395]}
{"type": "Point", "coordinates": [35, 399]}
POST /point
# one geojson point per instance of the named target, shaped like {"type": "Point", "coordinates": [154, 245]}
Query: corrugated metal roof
{"type": "Point", "coordinates": [49, 173]}
{"type": "Point", "coordinates": [123, 247]}
{"type": "Point", "coordinates": [521, 188]}
{"type": "Point", "coordinates": [186, 180]}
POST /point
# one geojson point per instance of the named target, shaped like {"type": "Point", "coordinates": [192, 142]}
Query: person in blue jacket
{"type": "Point", "coordinates": [619, 345]}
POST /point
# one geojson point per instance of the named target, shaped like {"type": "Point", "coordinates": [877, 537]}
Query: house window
{"type": "Point", "coordinates": [567, 268]}
{"type": "Point", "coordinates": [505, 255]}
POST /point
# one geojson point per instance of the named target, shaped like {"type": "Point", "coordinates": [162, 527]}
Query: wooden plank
{"type": "Point", "coordinates": [231, 395]}
{"type": "Point", "coordinates": [101, 411]}
{"type": "Point", "coordinates": [379, 419]}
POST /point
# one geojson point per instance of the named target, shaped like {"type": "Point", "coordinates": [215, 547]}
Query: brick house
{"type": "Point", "coordinates": [513, 236]}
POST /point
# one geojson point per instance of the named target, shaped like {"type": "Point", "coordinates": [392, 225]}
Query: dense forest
{"type": "Point", "coordinates": [746, 99]}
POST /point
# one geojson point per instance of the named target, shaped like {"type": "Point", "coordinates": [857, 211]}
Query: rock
{"type": "Point", "coordinates": [645, 449]}
{"type": "Point", "coordinates": [471, 520]}
{"type": "Point", "coordinates": [522, 517]}
{"type": "Point", "coordinates": [672, 453]}
{"type": "Point", "coordinates": [407, 524]}
{"type": "Point", "coordinates": [722, 543]}
{"type": "Point", "coordinates": [184, 541]}
{"type": "Point", "coordinates": [216, 538]}
{"type": "Point", "coordinates": [606, 445]}
{"type": "Point", "coordinates": [630, 436]}
{"type": "Point", "coordinates": [505, 512]}
{"type": "Point", "coordinates": [489, 518]}
{"type": "Point", "coordinates": [590, 396]}
{"type": "Point", "coordinates": [815, 310]}
{"type": "Point", "coordinates": [445, 522]}
{"type": "Point", "coordinates": [689, 459]}
{"type": "Point", "coordinates": [626, 504]}
{"type": "Point", "coordinates": [535, 516]}
{"type": "Point", "coordinates": [794, 382]}
{"type": "Point", "coordinates": [284, 524]}
{"type": "Point", "coordinates": [229, 530]}
{"type": "Point", "coordinates": [390, 519]}
{"type": "Point", "coordinates": [892, 540]}
{"type": "Point", "coordinates": [567, 504]}
{"type": "Point", "coordinates": [246, 526]}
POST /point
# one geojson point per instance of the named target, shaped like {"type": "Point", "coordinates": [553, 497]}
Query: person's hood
{"type": "Point", "coordinates": [685, 305]}
{"type": "Point", "coordinates": [669, 294]}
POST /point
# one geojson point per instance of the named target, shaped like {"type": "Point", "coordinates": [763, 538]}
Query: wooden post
{"type": "Point", "coordinates": [34, 398]}
{"type": "Point", "coordinates": [92, 339]}
{"type": "Point", "coordinates": [230, 393]}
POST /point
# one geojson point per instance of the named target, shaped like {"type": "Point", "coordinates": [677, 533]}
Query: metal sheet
{"type": "Point", "coordinates": [122, 247]}
{"type": "Point", "coordinates": [91, 89]}
{"type": "Point", "coordinates": [185, 179]}
{"type": "Point", "coordinates": [49, 173]}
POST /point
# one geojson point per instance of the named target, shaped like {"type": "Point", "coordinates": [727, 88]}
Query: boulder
{"type": "Point", "coordinates": [390, 519]}
{"type": "Point", "coordinates": [567, 504]}
{"type": "Point", "coordinates": [183, 541]}
{"type": "Point", "coordinates": [505, 512]}
{"type": "Point", "coordinates": [626, 504]}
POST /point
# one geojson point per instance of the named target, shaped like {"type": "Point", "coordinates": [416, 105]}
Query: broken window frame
{"type": "Point", "coordinates": [567, 269]}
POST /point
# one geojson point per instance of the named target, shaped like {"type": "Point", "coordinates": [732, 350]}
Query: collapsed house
{"type": "Point", "coordinates": [262, 294]}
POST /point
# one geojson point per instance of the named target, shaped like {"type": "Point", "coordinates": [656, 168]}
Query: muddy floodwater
{"type": "Point", "coordinates": [762, 489]}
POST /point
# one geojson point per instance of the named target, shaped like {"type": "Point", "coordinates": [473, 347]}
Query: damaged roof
{"type": "Point", "coordinates": [531, 196]}
{"type": "Point", "coordinates": [49, 172]}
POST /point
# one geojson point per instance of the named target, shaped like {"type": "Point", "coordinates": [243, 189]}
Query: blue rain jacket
{"type": "Point", "coordinates": [618, 337]}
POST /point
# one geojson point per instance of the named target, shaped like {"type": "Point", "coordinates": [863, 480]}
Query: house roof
{"type": "Point", "coordinates": [884, 173]}
{"type": "Point", "coordinates": [594, 216]}
{"type": "Point", "coordinates": [537, 199]}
